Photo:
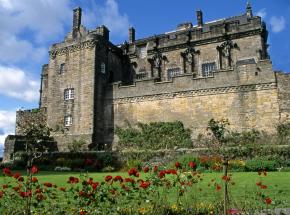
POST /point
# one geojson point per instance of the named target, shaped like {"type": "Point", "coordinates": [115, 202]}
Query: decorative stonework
{"type": "Point", "coordinates": [69, 49]}
{"type": "Point", "coordinates": [200, 92]}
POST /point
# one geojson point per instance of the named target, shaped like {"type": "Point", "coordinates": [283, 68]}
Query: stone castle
{"type": "Point", "coordinates": [218, 69]}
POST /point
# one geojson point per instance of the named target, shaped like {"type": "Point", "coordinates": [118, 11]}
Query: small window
{"type": "Point", "coordinates": [69, 94]}
{"type": "Point", "coordinates": [208, 69]}
{"type": "Point", "coordinates": [141, 76]}
{"type": "Point", "coordinates": [143, 52]}
{"type": "Point", "coordinates": [68, 120]}
{"type": "Point", "coordinates": [173, 72]}
{"type": "Point", "coordinates": [62, 68]}
{"type": "Point", "coordinates": [103, 68]}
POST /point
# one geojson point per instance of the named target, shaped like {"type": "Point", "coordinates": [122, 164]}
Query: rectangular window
{"type": "Point", "coordinates": [103, 68]}
{"type": "Point", "coordinates": [69, 94]}
{"type": "Point", "coordinates": [68, 120]}
{"type": "Point", "coordinates": [141, 76]}
{"type": "Point", "coordinates": [173, 72]}
{"type": "Point", "coordinates": [62, 68]}
{"type": "Point", "coordinates": [208, 69]}
{"type": "Point", "coordinates": [143, 52]}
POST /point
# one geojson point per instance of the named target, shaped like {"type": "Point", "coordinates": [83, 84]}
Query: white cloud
{"type": "Point", "coordinates": [262, 13]}
{"type": "Point", "coordinates": [108, 15]}
{"type": "Point", "coordinates": [26, 26]}
{"type": "Point", "coordinates": [15, 83]}
{"type": "Point", "coordinates": [7, 125]}
{"type": "Point", "coordinates": [278, 24]}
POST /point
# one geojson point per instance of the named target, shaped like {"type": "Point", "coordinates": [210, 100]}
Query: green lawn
{"type": "Point", "coordinates": [278, 184]}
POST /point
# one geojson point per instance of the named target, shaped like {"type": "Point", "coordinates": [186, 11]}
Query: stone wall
{"type": "Point", "coordinates": [283, 81]}
{"type": "Point", "coordinates": [246, 95]}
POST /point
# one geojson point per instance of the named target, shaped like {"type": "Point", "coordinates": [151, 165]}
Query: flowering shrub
{"type": "Point", "coordinates": [154, 190]}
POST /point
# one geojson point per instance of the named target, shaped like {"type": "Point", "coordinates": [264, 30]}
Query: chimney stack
{"type": "Point", "coordinates": [77, 19]}
{"type": "Point", "coordinates": [199, 18]}
{"type": "Point", "coordinates": [249, 10]}
{"type": "Point", "coordinates": [131, 35]}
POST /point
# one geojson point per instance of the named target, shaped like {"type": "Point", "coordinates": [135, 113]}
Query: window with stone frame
{"type": "Point", "coordinates": [143, 52]}
{"type": "Point", "coordinates": [207, 69]}
{"type": "Point", "coordinates": [62, 68]}
{"type": "Point", "coordinates": [69, 94]}
{"type": "Point", "coordinates": [172, 72]}
{"type": "Point", "coordinates": [68, 120]}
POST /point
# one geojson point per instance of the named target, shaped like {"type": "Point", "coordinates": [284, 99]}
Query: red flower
{"type": "Point", "coordinates": [34, 180]}
{"type": "Point", "coordinates": [16, 175]}
{"type": "Point", "coordinates": [226, 178]}
{"type": "Point", "coordinates": [263, 186]}
{"type": "Point", "coordinates": [25, 194]}
{"type": "Point", "coordinates": [73, 180]}
{"type": "Point", "coordinates": [62, 189]}
{"type": "Point", "coordinates": [20, 178]}
{"type": "Point", "coordinates": [38, 190]}
{"type": "Point", "coordinates": [155, 168]}
{"type": "Point", "coordinates": [118, 178]}
{"type": "Point", "coordinates": [131, 180]}
{"type": "Point", "coordinates": [108, 178]}
{"type": "Point", "coordinates": [233, 211]}
{"type": "Point", "coordinates": [34, 170]}
{"type": "Point", "coordinates": [95, 185]}
{"type": "Point", "coordinates": [177, 165]}
{"type": "Point", "coordinates": [82, 193]}
{"type": "Point", "coordinates": [171, 171]}
{"type": "Point", "coordinates": [82, 212]}
{"type": "Point", "coordinates": [268, 200]}
{"type": "Point", "coordinates": [259, 183]}
{"type": "Point", "coordinates": [218, 187]}
{"type": "Point", "coordinates": [40, 197]}
{"type": "Point", "coordinates": [192, 165]}
{"type": "Point", "coordinates": [146, 169]}
{"type": "Point", "coordinates": [7, 171]}
{"type": "Point", "coordinates": [133, 171]}
{"type": "Point", "coordinates": [1, 194]}
{"type": "Point", "coordinates": [5, 186]}
{"type": "Point", "coordinates": [47, 184]}
{"type": "Point", "coordinates": [145, 185]}
{"type": "Point", "coordinates": [162, 174]}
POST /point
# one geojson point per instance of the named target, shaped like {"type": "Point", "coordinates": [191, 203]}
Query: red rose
{"type": "Point", "coordinates": [62, 189]}
{"type": "Point", "coordinates": [73, 180]}
{"type": "Point", "coordinates": [226, 178]}
{"type": "Point", "coordinates": [118, 178]}
{"type": "Point", "coordinates": [268, 201]}
{"type": "Point", "coordinates": [95, 185]}
{"type": "Point", "coordinates": [218, 187]}
{"type": "Point", "coordinates": [108, 178]}
{"type": "Point", "coordinates": [192, 165]}
{"type": "Point", "coordinates": [162, 174]}
{"type": "Point", "coordinates": [155, 168]}
{"type": "Point", "coordinates": [5, 186]}
{"type": "Point", "coordinates": [134, 172]}
{"type": "Point", "coordinates": [38, 190]}
{"type": "Point", "coordinates": [34, 170]}
{"type": "Point", "coordinates": [16, 175]}
{"type": "Point", "coordinates": [82, 212]}
{"type": "Point", "coordinates": [259, 183]}
{"type": "Point", "coordinates": [177, 165]}
{"type": "Point", "coordinates": [146, 169]}
{"type": "Point", "coordinates": [263, 186]}
{"type": "Point", "coordinates": [131, 180]}
{"type": "Point", "coordinates": [34, 180]}
{"type": "Point", "coordinates": [20, 178]}
{"type": "Point", "coordinates": [145, 185]}
{"type": "Point", "coordinates": [1, 194]}
{"type": "Point", "coordinates": [47, 184]}
{"type": "Point", "coordinates": [7, 171]}
{"type": "Point", "coordinates": [82, 193]}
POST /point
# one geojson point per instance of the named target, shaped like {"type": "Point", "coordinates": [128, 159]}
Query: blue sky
{"type": "Point", "coordinates": [29, 27]}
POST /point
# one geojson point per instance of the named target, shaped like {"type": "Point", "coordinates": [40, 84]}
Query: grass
{"type": "Point", "coordinates": [278, 185]}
